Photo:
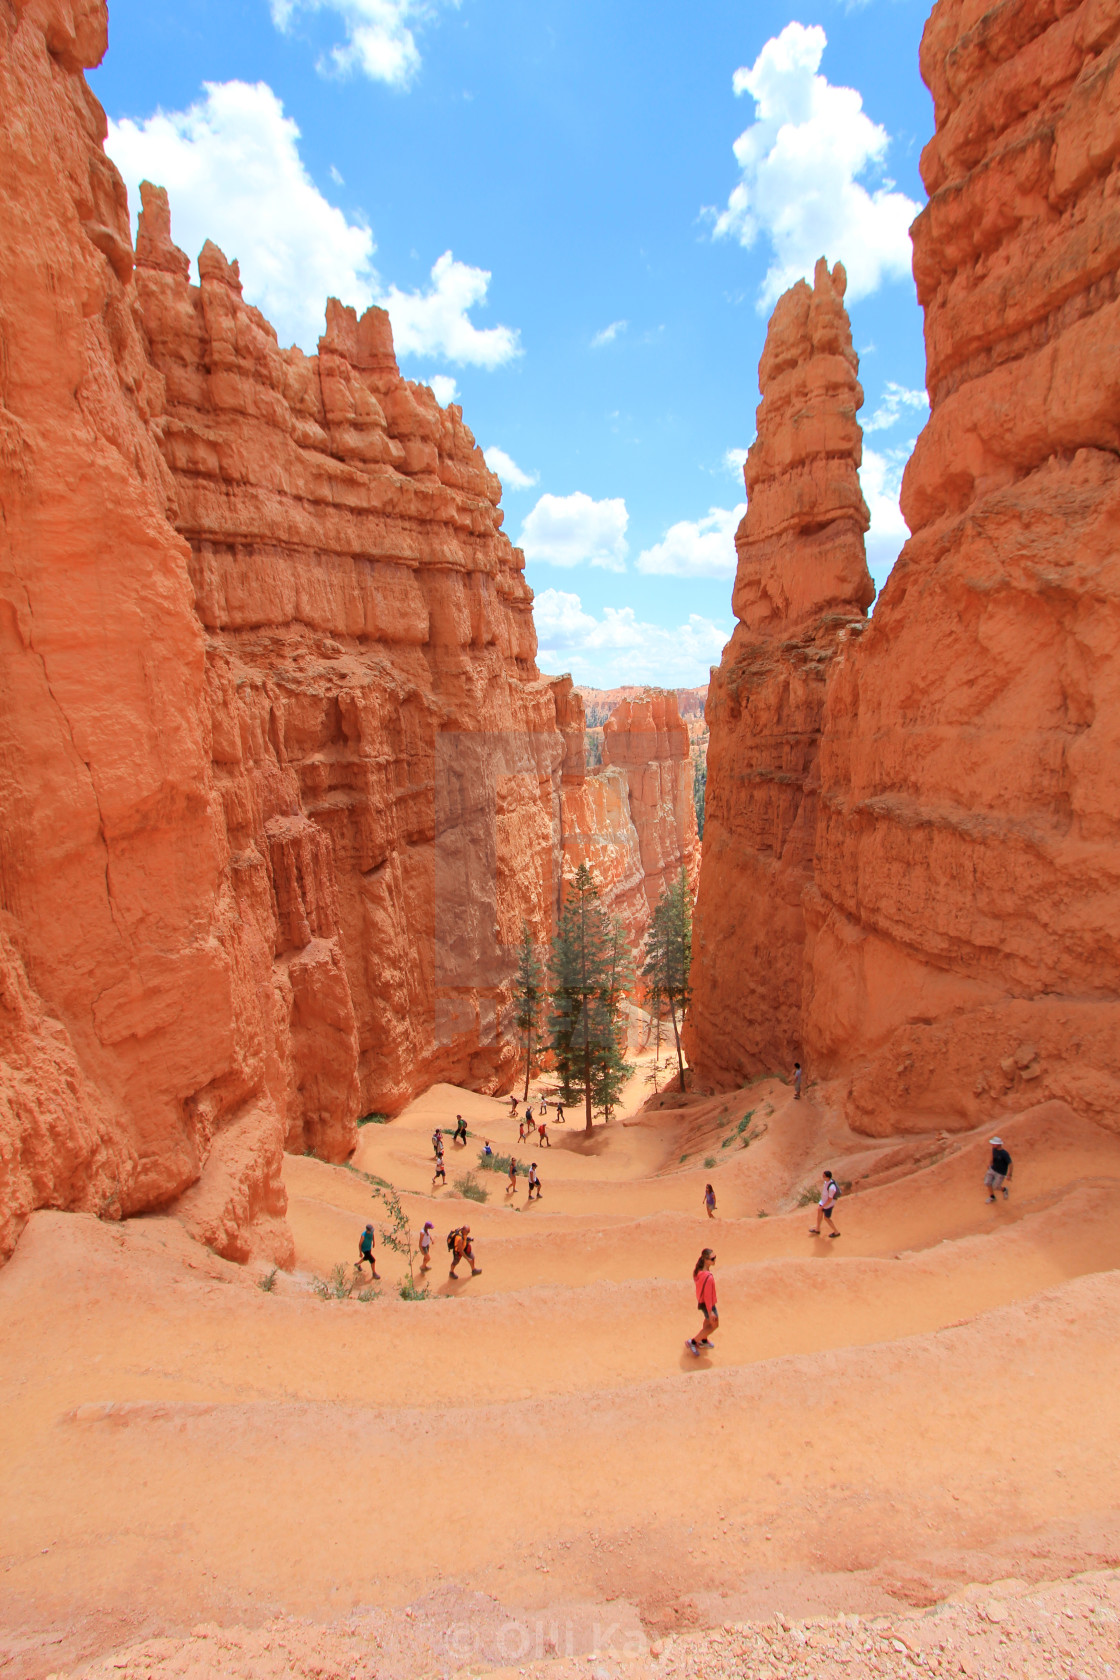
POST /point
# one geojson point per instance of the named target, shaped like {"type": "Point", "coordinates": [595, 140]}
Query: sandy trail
{"type": "Point", "coordinates": [928, 1400]}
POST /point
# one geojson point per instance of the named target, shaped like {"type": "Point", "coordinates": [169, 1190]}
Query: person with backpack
{"type": "Point", "coordinates": [437, 1142]}
{"type": "Point", "coordinates": [999, 1171]}
{"type": "Point", "coordinates": [830, 1190]}
{"type": "Point", "coordinates": [542, 1130]}
{"type": "Point", "coordinates": [460, 1247]}
{"type": "Point", "coordinates": [425, 1245]}
{"type": "Point", "coordinates": [706, 1301]}
{"type": "Point", "coordinates": [710, 1201]}
{"type": "Point", "coordinates": [486, 1150]}
{"type": "Point", "coordinates": [365, 1252]}
{"type": "Point", "coordinates": [460, 1135]}
{"type": "Point", "coordinates": [534, 1182]}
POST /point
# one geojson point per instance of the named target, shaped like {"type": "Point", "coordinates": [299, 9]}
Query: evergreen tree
{"type": "Point", "coordinates": [588, 973]}
{"type": "Point", "coordinates": [700, 792]}
{"type": "Point", "coordinates": [528, 997]}
{"type": "Point", "coordinates": [669, 956]}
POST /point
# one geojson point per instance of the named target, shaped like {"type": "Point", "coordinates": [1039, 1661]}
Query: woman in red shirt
{"type": "Point", "coordinates": [706, 1301]}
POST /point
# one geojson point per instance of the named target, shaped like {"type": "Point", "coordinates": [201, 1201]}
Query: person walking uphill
{"type": "Point", "coordinates": [706, 1301]}
{"type": "Point", "coordinates": [829, 1192]}
{"type": "Point", "coordinates": [797, 1081]}
{"type": "Point", "coordinates": [460, 1134]}
{"type": "Point", "coordinates": [365, 1252]}
{"type": "Point", "coordinates": [1000, 1170]}
{"type": "Point", "coordinates": [459, 1242]}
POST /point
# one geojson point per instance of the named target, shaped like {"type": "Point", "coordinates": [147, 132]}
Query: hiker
{"type": "Point", "coordinates": [521, 1131]}
{"type": "Point", "coordinates": [544, 1103]}
{"type": "Point", "coordinates": [460, 1130]}
{"type": "Point", "coordinates": [459, 1242]}
{"type": "Point", "coordinates": [543, 1132]}
{"type": "Point", "coordinates": [710, 1201]}
{"type": "Point", "coordinates": [797, 1081]}
{"type": "Point", "coordinates": [440, 1172]}
{"type": "Point", "coordinates": [529, 1119]}
{"type": "Point", "coordinates": [437, 1142]}
{"type": "Point", "coordinates": [829, 1192]}
{"type": "Point", "coordinates": [999, 1172]}
{"type": "Point", "coordinates": [706, 1301]}
{"type": "Point", "coordinates": [486, 1149]}
{"type": "Point", "coordinates": [425, 1243]}
{"type": "Point", "coordinates": [365, 1252]}
{"type": "Point", "coordinates": [512, 1104]}
{"type": "Point", "coordinates": [512, 1185]}
{"type": "Point", "coordinates": [534, 1182]}
{"type": "Point", "coordinates": [559, 1114]}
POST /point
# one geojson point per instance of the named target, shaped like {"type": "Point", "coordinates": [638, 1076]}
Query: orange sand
{"type": "Point", "coordinates": [929, 1400]}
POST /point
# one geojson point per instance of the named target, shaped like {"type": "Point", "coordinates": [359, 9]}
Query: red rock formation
{"type": "Point", "coordinates": [647, 740]}
{"type": "Point", "coordinates": [278, 778]}
{"type": "Point", "coordinates": [801, 586]}
{"type": "Point", "coordinates": [965, 921]}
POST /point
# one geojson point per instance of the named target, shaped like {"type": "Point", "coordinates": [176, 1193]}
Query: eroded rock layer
{"type": "Point", "coordinates": [965, 920]}
{"type": "Point", "coordinates": [279, 779]}
{"type": "Point", "coordinates": [801, 591]}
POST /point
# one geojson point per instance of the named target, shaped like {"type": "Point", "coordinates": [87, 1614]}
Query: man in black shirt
{"type": "Point", "coordinates": [999, 1172]}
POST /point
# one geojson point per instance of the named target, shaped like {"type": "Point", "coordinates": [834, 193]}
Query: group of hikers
{"type": "Point", "coordinates": [460, 1245]}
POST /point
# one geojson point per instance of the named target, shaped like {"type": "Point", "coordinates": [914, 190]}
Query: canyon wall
{"type": "Point", "coordinates": [801, 591]}
{"type": "Point", "coordinates": [964, 949]}
{"type": "Point", "coordinates": [279, 779]}
{"type": "Point", "coordinates": [961, 915]}
{"type": "Point", "coordinates": [632, 819]}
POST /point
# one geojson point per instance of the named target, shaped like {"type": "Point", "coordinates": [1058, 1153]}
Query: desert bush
{"type": "Point", "coordinates": [709, 1160]}
{"type": "Point", "coordinates": [335, 1288]}
{"type": "Point", "coordinates": [268, 1281]}
{"type": "Point", "coordinates": [375, 1119]}
{"type": "Point", "coordinates": [410, 1290]}
{"type": "Point", "coordinates": [498, 1163]}
{"type": "Point", "coordinates": [469, 1187]}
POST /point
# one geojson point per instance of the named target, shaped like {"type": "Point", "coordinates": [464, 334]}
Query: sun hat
{"type": "Point", "coordinates": [428, 1226]}
{"type": "Point", "coordinates": [995, 1140]}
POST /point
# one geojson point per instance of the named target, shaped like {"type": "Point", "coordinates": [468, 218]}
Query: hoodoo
{"type": "Point", "coordinates": [801, 590]}
{"type": "Point", "coordinates": [960, 891]}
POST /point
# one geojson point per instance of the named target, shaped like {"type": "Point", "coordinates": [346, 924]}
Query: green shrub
{"type": "Point", "coordinates": [807, 1197]}
{"type": "Point", "coordinates": [335, 1288]}
{"type": "Point", "coordinates": [268, 1281]}
{"type": "Point", "coordinates": [746, 1120]}
{"type": "Point", "coordinates": [372, 1292]}
{"type": "Point", "coordinates": [374, 1119]}
{"type": "Point", "coordinates": [368, 1178]}
{"type": "Point", "coordinates": [469, 1186]}
{"type": "Point", "coordinates": [709, 1160]}
{"type": "Point", "coordinates": [413, 1291]}
{"type": "Point", "coordinates": [498, 1163]}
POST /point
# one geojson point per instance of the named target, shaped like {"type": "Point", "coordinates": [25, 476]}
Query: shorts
{"type": "Point", "coordinates": [827, 1211]}
{"type": "Point", "coordinates": [713, 1313]}
{"type": "Point", "coordinates": [994, 1180]}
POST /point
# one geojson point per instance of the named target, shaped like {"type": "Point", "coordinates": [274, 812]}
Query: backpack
{"type": "Point", "coordinates": [451, 1235]}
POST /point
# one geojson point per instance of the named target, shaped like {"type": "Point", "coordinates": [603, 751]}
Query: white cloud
{"type": "Point", "coordinates": [734, 461]}
{"type": "Point", "coordinates": [233, 172]}
{"type": "Point", "coordinates": [436, 322]}
{"type": "Point", "coordinates": [512, 476]}
{"type": "Point", "coordinates": [800, 164]}
{"type": "Point", "coordinates": [608, 334]}
{"type": "Point", "coordinates": [895, 404]}
{"type": "Point", "coordinates": [696, 548]}
{"type": "Point", "coordinates": [576, 531]}
{"type": "Point", "coordinates": [619, 647]}
{"type": "Point", "coordinates": [444, 388]}
{"type": "Point", "coordinates": [880, 479]}
{"type": "Point", "coordinates": [379, 38]}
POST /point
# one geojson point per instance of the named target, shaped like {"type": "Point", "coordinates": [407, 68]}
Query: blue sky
{"type": "Point", "coordinates": [578, 215]}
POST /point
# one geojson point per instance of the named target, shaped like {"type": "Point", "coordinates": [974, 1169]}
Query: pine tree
{"type": "Point", "coordinates": [528, 997]}
{"type": "Point", "coordinates": [588, 973]}
{"type": "Point", "coordinates": [669, 957]}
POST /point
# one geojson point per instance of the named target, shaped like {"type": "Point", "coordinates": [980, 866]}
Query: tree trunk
{"type": "Point", "coordinates": [587, 1123]}
{"type": "Point", "coordinates": [528, 1060]}
{"type": "Point", "coordinates": [677, 1036]}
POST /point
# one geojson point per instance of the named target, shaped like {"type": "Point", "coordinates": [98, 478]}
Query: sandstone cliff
{"type": "Point", "coordinates": [965, 920]}
{"type": "Point", "coordinates": [962, 912]}
{"type": "Point", "coordinates": [279, 779]}
{"type": "Point", "coordinates": [801, 589]}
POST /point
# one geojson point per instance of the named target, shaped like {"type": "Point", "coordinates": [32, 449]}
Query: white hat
{"type": "Point", "coordinates": [995, 1140]}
